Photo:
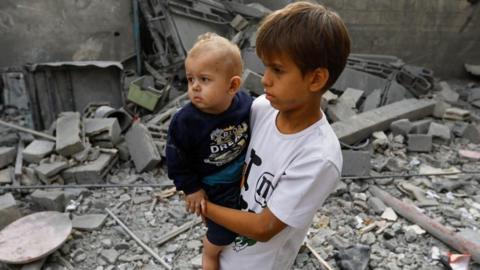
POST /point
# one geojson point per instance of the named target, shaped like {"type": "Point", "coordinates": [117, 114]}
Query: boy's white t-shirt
{"type": "Point", "coordinates": [292, 175]}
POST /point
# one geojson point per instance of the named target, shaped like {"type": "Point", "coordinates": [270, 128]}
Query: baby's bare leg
{"type": "Point", "coordinates": [210, 255]}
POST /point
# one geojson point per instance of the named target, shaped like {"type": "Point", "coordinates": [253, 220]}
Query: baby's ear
{"type": "Point", "coordinates": [235, 83]}
{"type": "Point", "coordinates": [319, 77]}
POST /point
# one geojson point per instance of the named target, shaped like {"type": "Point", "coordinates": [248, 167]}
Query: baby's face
{"type": "Point", "coordinates": [208, 83]}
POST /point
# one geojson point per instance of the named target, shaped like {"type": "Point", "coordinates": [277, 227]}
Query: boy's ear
{"type": "Point", "coordinates": [235, 83]}
{"type": "Point", "coordinates": [319, 78]}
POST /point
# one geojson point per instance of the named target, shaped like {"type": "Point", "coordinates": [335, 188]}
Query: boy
{"type": "Point", "coordinates": [293, 160]}
{"type": "Point", "coordinates": [207, 138]}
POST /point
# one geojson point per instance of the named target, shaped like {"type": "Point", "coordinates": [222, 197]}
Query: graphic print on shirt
{"type": "Point", "coordinates": [263, 189]}
{"type": "Point", "coordinates": [227, 144]}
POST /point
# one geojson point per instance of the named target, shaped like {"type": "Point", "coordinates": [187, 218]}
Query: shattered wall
{"type": "Point", "coordinates": [57, 30]}
{"type": "Point", "coordinates": [437, 34]}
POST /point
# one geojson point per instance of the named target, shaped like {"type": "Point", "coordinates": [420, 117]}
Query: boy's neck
{"type": "Point", "coordinates": [290, 122]}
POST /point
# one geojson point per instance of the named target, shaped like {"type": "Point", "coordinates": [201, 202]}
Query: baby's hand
{"type": "Point", "coordinates": [193, 201]}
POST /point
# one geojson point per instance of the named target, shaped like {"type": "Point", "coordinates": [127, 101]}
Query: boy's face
{"type": "Point", "coordinates": [209, 88]}
{"type": "Point", "coordinates": [285, 86]}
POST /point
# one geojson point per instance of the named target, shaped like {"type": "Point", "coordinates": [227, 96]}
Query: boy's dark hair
{"type": "Point", "coordinates": [310, 34]}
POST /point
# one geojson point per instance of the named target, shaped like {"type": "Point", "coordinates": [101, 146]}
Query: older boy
{"type": "Point", "coordinates": [294, 160]}
{"type": "Point", "coordinates": [207, 138]}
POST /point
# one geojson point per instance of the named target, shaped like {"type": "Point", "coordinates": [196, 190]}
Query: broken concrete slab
{"type": "Point", "coordinates": [440, 108]}
{"type": "Point", "coordinates": [419, 143]}
{"type": "Point", "coordinates": [447, 94]}
{"type": "Point", "coordinates": [346, 105]}
{"type": "Point", "coordinates": [467, 131]}
{"type": "Point", "coordinates": [8, 210]}
{"type": "Point", "coordinates": [68, 131]}
{"type": "Point", "coordinates": [91, 172]}
{"type": "Point", "coordinates": [362, 125]}
{"type": "Point", "coordinates": [373, 100]}
{"type": "Point", "coordinates": [401, 126]}
{"type": "Point", "coordinates": [6, 176]}
{"type": "Point", "coordinates": [421, 126]}
{"type": "Point", "coordinates": [88, 222]}
{"type": "Point", "coordinates": [46, 171]}
{"type": "Point", "coordinates": [7, 156]}
{"type": "Point", "coordinates": [359, 80]}
{"type": "Point", "coordinates": [473, 69]}
{"type": "Point", "coordinates": [356, 163]}
{"type": "Point", "coordinates": [50, 200]}
{"type": "Point", "coordinates": [37, 150]}
{"type": "Point", "coordinates": [440, 133]}
{"type": "Point", "coordinates": [103, 130]}
{"type": "Point", "coordinates": [142, 148]}
{"type": "Point", "coordinates": [395, 92]}
{"type": "Point", "coordinates": [252, 81]}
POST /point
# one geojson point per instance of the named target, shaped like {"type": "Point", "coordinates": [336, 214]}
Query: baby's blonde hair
{"type": "Point", "coordinates": [223, 48]}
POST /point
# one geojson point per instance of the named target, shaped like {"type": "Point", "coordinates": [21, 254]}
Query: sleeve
{"type": "Point", "coordinates": [177, 159]}
{"type": "Point", "coordinates": [302, 190]}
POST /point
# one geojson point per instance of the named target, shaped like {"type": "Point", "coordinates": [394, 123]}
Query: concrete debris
{"type": "Point", "coordinates": [440, 132]}
{"type": "Point", "coordinates": [68, 130]}
{"type": "Point", "coordinates": [7, 156]}
{"type": "Point", "coordinates": [473, 69]}
{"type": "Point", "coordinates": [420, 143]}
{"type": "Point", "coordinates": [51, 200]}
{"type": "Point", "coordinates": [253, 82]}
{"type": "Point", "coordinates": [346, 106]}
{"type": "Point", "coordinates": [104, 132]}
{"type": "Point", "coordinates": [144, 152]}
{"type": "Point", "coordinates": [356, 163]}
{"type": "Point", "coordinates": [37, 150]}
{"type": "Point", "coordinates": [447, 94]}
{"type": "Point", "coordinates": [88, 222]}
{"type": "Point", "coordinates": [456, 114]}
{"type": "Point", "coordinates": [8, 210]}
{"type": "Point", "coordinates": [92, 172]}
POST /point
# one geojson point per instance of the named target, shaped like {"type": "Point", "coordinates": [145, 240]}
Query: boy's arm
{"type": "Point", "coordinates": [261, 227]}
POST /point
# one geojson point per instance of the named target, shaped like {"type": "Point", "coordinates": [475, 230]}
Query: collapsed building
{"type": "Point", "coordinates": [86, 137]}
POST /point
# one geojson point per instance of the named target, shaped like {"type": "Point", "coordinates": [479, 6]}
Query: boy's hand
{"type": "Point", "coordinates": [193, 201]}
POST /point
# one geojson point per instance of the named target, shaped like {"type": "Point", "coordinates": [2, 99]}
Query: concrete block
{"type": "Point", "coordinates": [37, 150]}
{"type": "Point", "coordinates": [419, 143]}
{"type": "Point", "coordinates": [68, 131]}
{"type": "Point", "coordinates": [92, 172]}
{"type": "Point", "coordinates": [467, 131]}
{"type": "Point", "coordinates": [474, 94]}
{"type": "Point", "coordinates": [401, 126]}
{"type": "Point", "coordinates": [253, 82]}
{"type": "Point", "coordinates": [6, 176]}
{"type": "Point", "coordinates": [48, 200]}
{"type": "Point", "coordinates": [351, 78]}
{"type": "Point", "coordinates": [395, 92]}
{"type": "Point", "coordinates": [8, 210]}
{"type": "Point", "coordinates": [362, 125]}
{"type": "Point", "coordinates": [440, 132]}
{"type": "Point", "coordinates": [7, 156]}
{"type": "Point", "coordinates": [106, 130]}
{"type": "Point", "coordinates": [356, 163]}
{"type": "Point", "coordinates": [328, 98]}
{"type": "Point", "coordinates": [447, 94]}
{"type": "Point", "coordinates": [346, 105]}
{"type": "Point", "coordinates": [9, 139]}
{"type": "Point", "coordinates": [373, 100]}
{"type": "Point", "coordinates": [46, 171]}
{"type": "Point", "coordinates": [143, 151]}
{"type": "Point", "coordinates": [440, 108]}
{"type": "Point", "coordinates": [239, 22]}
{"type": "Point", "coordinates": [421, 126]}
{"type": "Point", "coordinates": [88, 222]}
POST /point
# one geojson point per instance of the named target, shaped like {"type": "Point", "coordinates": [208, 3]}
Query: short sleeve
{"type": "Point", "coordinates": [301, 191]}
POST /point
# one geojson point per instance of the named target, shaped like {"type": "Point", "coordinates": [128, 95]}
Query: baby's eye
{"type": "Point", "coordinates": [205, 79]}
{"type": "Point", "coordinates": [189, 79]}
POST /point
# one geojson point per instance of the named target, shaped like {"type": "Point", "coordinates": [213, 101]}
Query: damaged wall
{"type": "Point", "coordinates": [56, 30]}
{"type": "Point", "coordinates": [436, 34]}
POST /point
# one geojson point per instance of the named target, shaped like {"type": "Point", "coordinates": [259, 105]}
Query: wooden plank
{"type": "Point", "coordinates": [361, 126]}
{"type": "Point", "coordinates": [33, 237]}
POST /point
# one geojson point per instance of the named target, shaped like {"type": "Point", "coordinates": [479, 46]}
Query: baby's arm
{"type": "Point", "coordinates": [193, 200]}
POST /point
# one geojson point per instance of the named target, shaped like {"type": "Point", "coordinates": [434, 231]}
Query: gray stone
{"type": "Point", "coordinates": [440, 132]}
{"type": "Point", "coordinates": [8, 210]}
{"type": "Point", "coordinates": [88, 222]}
{"type": "Point", "coordinates": [467, 131]}
{"type": "Point", "coordinates": [68, 134]}
{"type": "Point", "coordinates": [46, 171]}
{"type": "Point", "coordinates": [448, 94]}
{"type": "Point", "coordinates": [419, 143]}
{"type": "Point", "coordinates": [7, 156]}
{"type": "Point", "coordinates": [401, 126]}
{"type": "Point", "coordinates": [50, 200]}
{"type": "Point", "coordinates": [440, 108]}
{"type": "Point", "coordinates": [142, 149]}
{"type": "Point", "coordinates": [376, 205]}
{"type": "Point", "coordinates": [37, 150]}
{"type": "Point", "coordinates": [410, 236]}
{"type": "Point", "coordinates": [356, 163]}
{"type": "Point", "coordinates": [252, 81]}
{"type": "Point", "coordinates": [91, 172]}
{"type": "Point", "coordinates": [346, 105]}
{"type": "Point", "coordinates": [362, 125]}
{"type": "Point", "coordinates": [104, 131]}
{"type": "Point", "coordinates": [421, 126]}
{"type": "Point", "coordinates": [6, 176]}
{"type": "Point", "coordinates": [354, 258]}
{"type": "Point", "coordinates": [110, 255]}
